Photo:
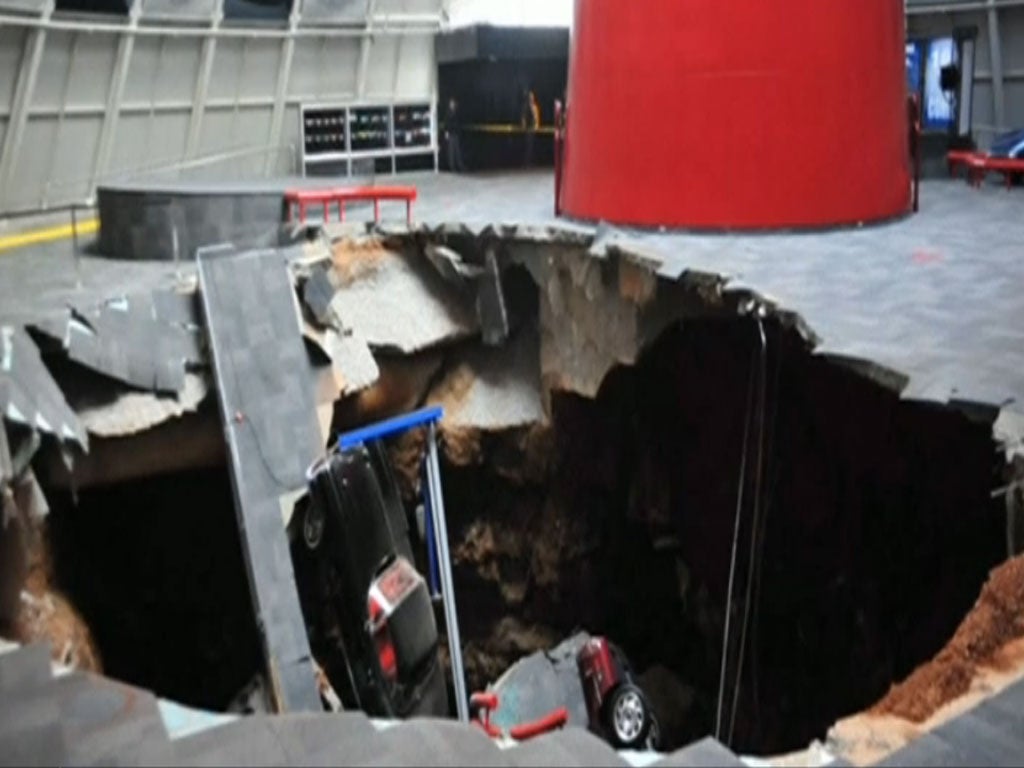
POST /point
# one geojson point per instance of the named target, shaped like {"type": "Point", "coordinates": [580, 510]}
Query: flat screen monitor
{"type": "Point", "coordinates": [914, 57]}
{"type": "Point", "coordinates": [938, 105]}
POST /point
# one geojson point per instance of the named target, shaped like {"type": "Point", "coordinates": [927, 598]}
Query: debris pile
{"type": "Point", "coordinates": [981, 641]}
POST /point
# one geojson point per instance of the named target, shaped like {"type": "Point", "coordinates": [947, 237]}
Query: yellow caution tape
{"type": "Point", "coordinates": [34, 237]}
{"type": "Point", "coordinates": [508, 128]}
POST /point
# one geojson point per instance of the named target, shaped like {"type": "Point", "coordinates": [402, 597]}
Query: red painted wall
{"type": "Point", "coordinates": [737, 113]}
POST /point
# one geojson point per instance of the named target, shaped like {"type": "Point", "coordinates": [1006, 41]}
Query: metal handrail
{"type": "Point", "coordinates": [177, 165]}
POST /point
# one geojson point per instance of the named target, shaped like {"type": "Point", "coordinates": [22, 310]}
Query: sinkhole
{"type": "Point", "coordinates": [865, 529]}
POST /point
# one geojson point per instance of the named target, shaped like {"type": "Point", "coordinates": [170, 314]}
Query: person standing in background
{"type": "Point", "coordinates": [453, 137]}
{"type": "Point", "coordinates": [531, 122]}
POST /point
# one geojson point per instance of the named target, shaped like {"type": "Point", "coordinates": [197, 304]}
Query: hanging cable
{"type": "Point", "coordinates": [772, 473]}
{"type": "Point", "coordinates": [735, 543]}
{"type": "Point", "coordinates": [755, 521]}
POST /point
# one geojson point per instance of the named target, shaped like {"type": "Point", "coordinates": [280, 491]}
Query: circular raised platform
{"type": "Point", "coordinates": [161, 220]}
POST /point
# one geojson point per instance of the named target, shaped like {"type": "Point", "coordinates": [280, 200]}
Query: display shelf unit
{"type": "Point", "coordinates": [335, 135]}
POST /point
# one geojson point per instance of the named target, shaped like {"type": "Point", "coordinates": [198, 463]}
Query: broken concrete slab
{"type": "Point", "coordinates": [493, 389]}
{"type": "Point", "coordinates": [490, 302]}
{"type": "Point", "coordinates": [586, 326]}
{"type": "Point", "coordinates": [317, 292]}
{"type": "Point", "coordinates": [28, 393]}
{"type": "Point", "coordinates": [131, 411]}
{"type": "Point", "coordinates": [450, 265]}
{"type": "Point", "coordinates": [1009, 432]}
{"type": "Point", "coordinates": [198, 441]}
{"type": "Point", "coordinates": [348, 354]}
{"type": "Point", "coordinates": [541, 682]}
{"type": "Point", "coordinates": [397, 301]}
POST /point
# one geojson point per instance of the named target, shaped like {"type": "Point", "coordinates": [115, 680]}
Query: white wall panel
{"type": "Point", "coordinates": [259, 75]}
{"type": "Point", "coordinates": [57, 156]}
{"type": "Point", "coordinates": [338, 68]}
{"type": "Point", "coordinates": [227, 68]}
{"type": "Point", "coordinates": [380, 77]}
{"type": "Point", "coordinates": [23, 5]}
{"type": "Point", "coordinates": [131, 149]}
{"type": "Point", "coordinates": [182, 9]}
{"type": "Point", "coordinates": [1012, 24]}
{"type": "Point", "coordinates": [305, 68]}
{"type": "Point", "coordinates": [12, 43]}
{"type": "Point", "coordinates": [74, 149]}
{"type": "Point", "coordinates": [287, 163]}
{"type": "Point", "coordinates": [415, 67]}
{"type": "Point", "coordinates": [94, 64]}
{"type": "Point", "coordinates": [53, 71]}
{"type": "Point", "coordinates": [335, 11]}
{"type": "Point", "coordinates": [145, 71]}
{"type": "Point", "coordinates": [180, 67]}
{"type": "Point", "coordinates": [31, 163]}
{"type": "Point", "coordinates": [385, 7]}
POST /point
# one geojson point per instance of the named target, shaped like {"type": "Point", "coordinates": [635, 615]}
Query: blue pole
{"type": "Point", "coordinates": [433, 579]}
{"type": "Point", "coordinates": [390, 427]}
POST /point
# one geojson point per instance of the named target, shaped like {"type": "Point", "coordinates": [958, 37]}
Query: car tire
{"type": "Point", "coordinates": [627, 717]}
{"type": "Point", "coordinates": [313, 523]}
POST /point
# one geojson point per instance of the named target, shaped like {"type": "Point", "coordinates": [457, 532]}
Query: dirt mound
{"type": "Point", "coordinates": [996, 619]}
{"type": "Point", "coordinates": [354, 258]}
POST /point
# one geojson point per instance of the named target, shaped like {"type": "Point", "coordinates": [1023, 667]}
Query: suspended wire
{"type": "Point", "coordinates": [773, 474]}
{"type": "Point", "coordinates": [755, 522]}
{"type": "Point", "coordinates": [735, 543]}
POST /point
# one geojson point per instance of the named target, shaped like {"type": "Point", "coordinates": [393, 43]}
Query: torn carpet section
{"type": "Point", "coordinates": [270, 421]}
{"type": "Point", "coordinates": [126, 339]}
{"type": "Point", "coordinates": [28, 393]}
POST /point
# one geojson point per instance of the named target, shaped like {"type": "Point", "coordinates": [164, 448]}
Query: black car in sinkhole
{"type": "Point", "coordinates": [368, 611]}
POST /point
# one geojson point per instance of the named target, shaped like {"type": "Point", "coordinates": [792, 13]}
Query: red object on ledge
{"type": "Point", "coordinates": [978, 166]}
{"type": "Point", "coordinates": [483, 704]}
{"type": "Point", "coordinates": [958, 157]}
{"type": "Point", "coordinates": [737, 114]}
{"type": "Point", "coordinates": [342, 195]}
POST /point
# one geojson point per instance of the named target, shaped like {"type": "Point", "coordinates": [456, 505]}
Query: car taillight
{"type": "Point", "coordinates": [382, 640]}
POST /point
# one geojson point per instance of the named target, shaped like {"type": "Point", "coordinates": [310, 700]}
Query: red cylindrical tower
{"type": "Point", "coordinates": [737, 113]}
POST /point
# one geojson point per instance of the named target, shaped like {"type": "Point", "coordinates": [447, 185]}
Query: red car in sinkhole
{"type": "Point", "coordinates": [616, 707]}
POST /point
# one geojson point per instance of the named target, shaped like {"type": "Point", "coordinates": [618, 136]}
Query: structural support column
{"type": "Point", "coordinates": [995, 49]}
{"type": "Point", "coordinates": [284, 74]}
{"type": "Point", "coordinates": [202, 89]}
{"type": "Point", "coordinates": [364, 50]}
{"type": "Point", "coordinates": [32, 54]}
{"type": "Point", "coordinates": [61, 110]}
{"type": "Point", "coordinates": [115, 95]}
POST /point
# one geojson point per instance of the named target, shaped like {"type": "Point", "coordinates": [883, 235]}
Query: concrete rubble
{"type": "Point", "coordinates": [396, 301]}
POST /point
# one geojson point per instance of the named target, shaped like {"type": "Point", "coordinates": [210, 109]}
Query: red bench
{"type": "Point", "coordinates": [978, 167]}
{"type": "Point", "coordinates": [306, 197]}
{"type": "Point", "coordinates": [958, 157]}
{"type": "Point", "coordinates": [303, 198]}
{"type": "Point", "coordinates": [349, 194]}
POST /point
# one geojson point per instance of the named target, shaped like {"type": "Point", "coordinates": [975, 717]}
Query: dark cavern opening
{"type": "Point", "coordinates": [875, 529]}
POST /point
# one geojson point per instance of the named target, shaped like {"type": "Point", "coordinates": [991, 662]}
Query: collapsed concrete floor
{"type": "Point", "coordinates": [599, 422]}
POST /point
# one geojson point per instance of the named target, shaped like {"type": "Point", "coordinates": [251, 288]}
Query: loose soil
{"type": "Point", "coordinates": [996, 619]}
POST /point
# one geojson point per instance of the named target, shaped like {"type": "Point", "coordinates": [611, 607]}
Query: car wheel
{"type": "Point", "coordinates": [653, 743]}
{"type": "Point", "coordinates": [313, 527]}
{"type": "Point", "coordinates": [627, 717]}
